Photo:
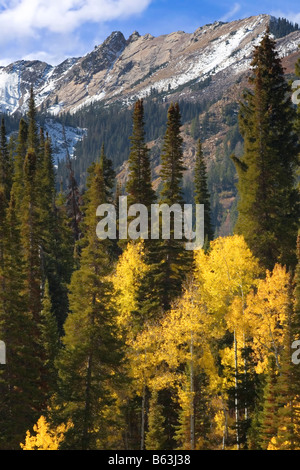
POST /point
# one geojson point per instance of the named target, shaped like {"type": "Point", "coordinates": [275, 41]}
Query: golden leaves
{"type": "Point", "coordinates": [45, 438]}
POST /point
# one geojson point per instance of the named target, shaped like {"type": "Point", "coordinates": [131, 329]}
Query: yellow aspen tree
{"type": "Point", "coordinates": [127, 278]}
{"type": "Point", "coordinates": [186, 333]}
{"type": "Point", "coordinates": [45, 438]}
{"type": "Point", "coordinates": [265, 316]}
{"type": "Point", "coordinates": [225, 275]}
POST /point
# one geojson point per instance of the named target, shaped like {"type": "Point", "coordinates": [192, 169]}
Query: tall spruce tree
{"type": "Point", "coordinates": [18, 167]}
{"type": "Point", "coordinates": [139, 184]}
{"type": "Point", "coordinates": [268, 208]}
{"type": "Point", "coordinates": [202, 195]}
{"type": "Point", "coordinates": [268, 421]}
{"type": "Point", "coordinates": [288, 436]}
{"type": "Point", "coordinates": [168, 260]}
{"type": "Point", "coordinates": [20, 390]}
{"type": "Point", "coordinates": [5, 163]}
{"type": "Point", "coordinates": [172, 261]}
{"type": "Point", "coordinates": [90, 355]}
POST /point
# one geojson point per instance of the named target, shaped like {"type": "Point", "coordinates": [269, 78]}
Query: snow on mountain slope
{"type": "Point", "coordinates": [72, 135]}
{"type": "Point", "coordinates": [122, 70]}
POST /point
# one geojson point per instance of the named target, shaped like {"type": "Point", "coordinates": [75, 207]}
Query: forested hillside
{"type": "Point", "coordinates": [138, 342]}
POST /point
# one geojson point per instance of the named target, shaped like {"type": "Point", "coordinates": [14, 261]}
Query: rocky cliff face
{"type": "Point", "coordinates": [122, 70]}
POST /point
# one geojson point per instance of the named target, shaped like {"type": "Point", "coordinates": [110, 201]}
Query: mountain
{"type": "Point", "coordinates": [121, 70]}
{"type": "Point", "coordinates": [205, 71]}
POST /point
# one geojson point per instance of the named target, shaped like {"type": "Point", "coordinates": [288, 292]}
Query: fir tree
{"type": "Point", "coordinates": [155, 436]}
{"type": "Point", "coordinates": [201, 192]}
{"type": "Point", "coordinates": [109, 175]}
{"type": "Point", "coordinates": [90, 355]}
{"type": "Point", "coordinates": [30, 235]}
{"type": "Point", "coordinates": [170, 261]}
{"type": "Point", "coordinates": [139, 184]}
{"type": "Point", "coordinates": [50, 343]}
{"type": "Point", "coordinates": [269, 415]}
{"type": "Point", "coordinates": [172, 159]}
{"type": "Point", "coordinates": [5, 163]}
{"type": "Point", "coordinates": [21, 150]}
{"type": "Point", "coordinates": [268, 201]}
{"type": "Point", "coordinates": [20, 379]}
{"type": "Point", "coordinates": [287, 386]}
{"type": "Point", "coordinates": [33, 137]}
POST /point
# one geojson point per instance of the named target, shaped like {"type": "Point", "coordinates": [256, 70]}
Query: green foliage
{"type": "Point", "coordinates": [139, 184]}
{"type": "Point", "coordinates": [268, 200]}
{"type": "Point", "coordinates": [281, 27]}
{"type": "Point", "coordinates": [155, 436]}
{"type": "Point", "coordinates": [201, 191]}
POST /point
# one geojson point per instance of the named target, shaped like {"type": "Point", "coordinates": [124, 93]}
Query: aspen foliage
{"type": "Point", "coordinates": [228, 270]}
{"type": "Point", "coordinates": [45, 438]}
{"type": "Point", "coordinates": [128, 275]}
{"type": "Point", "coordinates": [265, 316]}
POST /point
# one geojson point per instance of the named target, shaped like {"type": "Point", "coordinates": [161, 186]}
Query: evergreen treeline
{"type": "Point", "coordinates": [112, 127]}
{"type": "Point", "coordinates": [140, 343]}
{"type": "Point", "coordinates": [281, 27]}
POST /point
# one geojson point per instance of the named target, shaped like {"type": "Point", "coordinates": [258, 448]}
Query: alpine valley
{"type": "Point", "coordinates": [87, 101]}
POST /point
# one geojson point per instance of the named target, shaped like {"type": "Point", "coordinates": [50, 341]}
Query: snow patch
{"type": "Point", "coordinates": [55, 132]}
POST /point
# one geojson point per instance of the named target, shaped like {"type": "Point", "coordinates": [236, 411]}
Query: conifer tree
{"type": "Point", "coordinates": [297, 287]}
{"type": "Point", "coordinates": [172, 159]}
{"type": "Point", "coordinates": [139, 184]}
{"type": "Point", "coordinates": [287, 398]}
{"type": "Point", "coordinates": [30, 235]}
{"type": "Point", "coordinates": [50, 343]}
{"type": "Point", "coordinates": [91, 352]}
{"type": "Point", "coordinates": [170, 261]}
{"type": "Point", "coordinates": [201, 192]}
{"type": "Point", "coordinates": [20, 378]}
{"type": "Point", "coordinates": [56, 250]}
{"type": "Point", "coordinates": [21, 150]}
{"type": "Point", "coordinates": [155, 437]}
{"type": "Point", "coordinates": [109, 174]}
{"type": "Point", "coordinates": [5, 163]}
{"type": "Point", "coordinates": [268, 422]}
{"type": "Point", "coordinates": [33, 137]}
{"type": "Point", "coordinates": [268, 201]}
{"type": "Point", "coordinates": [63, 261]}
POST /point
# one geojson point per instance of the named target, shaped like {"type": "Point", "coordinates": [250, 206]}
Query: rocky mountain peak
{"type": "Point", "coordinates": [115, 41]}
{"type": "Point", "coordinates": [123, 70]}
{"type": "Point", "coordinates": [133, 37]}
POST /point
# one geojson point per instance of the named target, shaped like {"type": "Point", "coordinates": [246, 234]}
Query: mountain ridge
{"type": "Point", "coordinates": [122, 70]}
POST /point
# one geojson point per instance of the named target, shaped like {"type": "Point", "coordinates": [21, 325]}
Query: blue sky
{"type": "Point", "coordinates": [52, 30]}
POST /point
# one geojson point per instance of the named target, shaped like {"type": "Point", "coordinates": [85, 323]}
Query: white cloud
{"type": "Point", "coordinates": [25, 18]}
{"type": "Point", "coordinates": [236, 7]}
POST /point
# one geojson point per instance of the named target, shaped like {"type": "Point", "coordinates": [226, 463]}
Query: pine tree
{"type": "Point", "coordinates": [90, 355]}
{"type": "Point", "coordinates": [139, 184]}
{"type": "Point", "coordinates": [63, 261]}
{"type": "Point", "coordinates": [172, 260]}
{"type": "Point", "coordinates": [5, 163]}
{"type": "Point", "coordinates": [33, 137]}
{"type": "Point", "coordinates": [50, 343]}
{"type": "Point", "coordinates": [172, 159]}
{"type": "Point", "coordinates": [56, 246]}
{"type": "Point", "coordinates": [109, 174]}
{"type": "Point", "coordinates": [20, 379]}
{"type": "Point", "coordinates": [202, 195]}
{"type": "Point", "coordinates": [155, 436]}
{"type": "Point", "coordinates": [30, 235]}
{"type": "Point", "coordinates": [21, 150]}
{"type": "Point", "coordinates": [269, 416]}
{"type": "Point", "coordinates": [288, 436]}
{"type": "Point", "coordinates": [268, 201]}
